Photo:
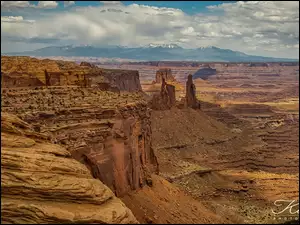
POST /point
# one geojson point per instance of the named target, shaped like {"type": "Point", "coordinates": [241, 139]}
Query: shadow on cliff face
{"type": "Point", "coordinates": [98, 114]}
{"type": "Point", "coordinates": [166, 98]}
{"type": "Point", "coordinates": [218, 166]}
{"type": "Point", "coordinates": [41, 183]}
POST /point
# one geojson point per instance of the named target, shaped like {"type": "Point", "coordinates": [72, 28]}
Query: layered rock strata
{"type": "Point", "coordinates": [41, 183]}
{"type": "Point", "coordinates": [25, 72]}
{"type": "Point", "coordinates": [109, 132]}
{"type": "Point", "coordinates": [164, 74]}
{"type": "Point", "coordinates": [165, 99]}
{"type": "Point", "coordinates": [191, 99]}
{"type": "Point", "coordinates": [125, 80]}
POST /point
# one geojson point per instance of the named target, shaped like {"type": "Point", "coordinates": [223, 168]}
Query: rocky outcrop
{"type": "Point", "coordinates": [107, 131]}
{"type": "Point", "coordinates": [87, 64]}
{"type": "Point", "coordinates": [165, 99]}
{"type": "Point", "coordinates": [26, 71]}
{"type": "Point", "coordinates": [47, 72]}
{"type": "Point", "coordinates": [191, 99]}
{"type": "Point", "coordinates": [41, 183]}
{"type": "Point", "coordinates": [125, 80]}
{"type": "Point", "coordinates": [164, 74]}
{"type": "Point", "coordinates": [204, 73]}
{"type": "Point", "coordinates": [17, 80]}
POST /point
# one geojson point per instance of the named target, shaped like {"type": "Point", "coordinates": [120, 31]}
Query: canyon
{"type": "Point", "coordinates": [41, 183]}
{"type": "Point", "coordinates": [217, 147]}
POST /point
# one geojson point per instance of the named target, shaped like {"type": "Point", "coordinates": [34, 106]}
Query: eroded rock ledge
{"type": "Point", "coordinates": [107, 131]}
{"type": "Point", "coordinates": [164, 74]}
{"type": "Point", "coordinates": [23, 71]}
{"type": "Point", "coordinates": [41, 183]}
{"type": "Point", "coordinates": [164, 100]}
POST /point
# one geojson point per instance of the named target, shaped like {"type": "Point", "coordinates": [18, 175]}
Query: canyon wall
{"type": "Point", "coordinates": [41, 183]}
{"type": "Point", "coordinates": [125, 80]}
{"type": "Point", "coordinates": [165, 99]}
{"type": "Point", "coordinates": [164, 74]}
{"type": "Point", "coordinates": [105, 129]}
{"type": "Point", "coordinates": [24, 71]}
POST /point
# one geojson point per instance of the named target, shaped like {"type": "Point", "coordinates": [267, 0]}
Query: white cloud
{"type": "Point", "coordinates": [68, 3]}
{"type": "Point", "coordinates": [111, 2]}
{"type": "Point", "coordinates": [15, 19]}
{"type": "Point", "coordinates": [15, 4]}
{"type": "Point", "coordinates": [47, 4]}
{"type": "Point", "coordinates": [11, 18]}
{"type": "Point", "coordinates": [188, 31]}
{"type": "Point", "coordinates": [250, 27]}
{"type": "Point", "coordinates": [12, 5]}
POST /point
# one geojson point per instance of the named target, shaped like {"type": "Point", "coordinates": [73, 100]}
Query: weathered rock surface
{"type": "Point", "coordinates": [125, 80]}
{"type": "Point", "coordinates": [191, 99]}
{"type": "Point", "coordinates": [109, 132]}
{"type": "Point", "coordinates": [25, 71]}
{"type": "Point", "coordinates": [41, 183]}
{"type": "Point", "coordinates": [204, 73]}
{"type": "Point", "coordinates": [17, 80]}
{"type": "Point", "coordinates": [165, 99]}
{"type": "Point", "coordinates": [164, 74]}
{"type": "Point", "coordinates": [87, 64]}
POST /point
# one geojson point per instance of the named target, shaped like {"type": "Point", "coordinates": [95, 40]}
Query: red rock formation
{"type": "Point", "coordinates": [62, 73]}
{"type": "Point", "coordinates": [109, 132]}
{"type": "Point", "coordinates": [41, 183]}
{"type": "Point", "coordinates": [17, 80]}
{"type": "Point", "coordinates": [165, 99]}
{"type": "Point", "coordinates": [164, 74]}
{"type": "Point", "coordinates": [125, 80]}
{"type": "Point", "coordinates": [191, 99]}
{"type": "Point", "coordinates": [87, 64]}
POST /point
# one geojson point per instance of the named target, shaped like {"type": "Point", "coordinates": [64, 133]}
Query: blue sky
{"type": "Point", "coordinates": [265, 28]}
{"type": "Point", "coordinates": [189, 7]}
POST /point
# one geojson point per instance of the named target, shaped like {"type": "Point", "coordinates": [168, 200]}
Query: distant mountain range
{"type": "Point", "coordinates": [151, 52]}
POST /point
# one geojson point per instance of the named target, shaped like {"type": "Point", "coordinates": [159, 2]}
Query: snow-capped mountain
{"type": "Point", "coordinates": [151, 52]}
{"type": "Point", "coordinates": [162, 46]}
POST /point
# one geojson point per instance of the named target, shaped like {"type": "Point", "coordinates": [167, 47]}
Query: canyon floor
{"type": "Point", "coordinates": [241, 153]}
{"type": "Point", "coordinates": [225, 163]}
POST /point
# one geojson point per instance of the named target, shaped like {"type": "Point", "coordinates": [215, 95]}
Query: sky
{"type": "Point", "coordinates": [265, 28]}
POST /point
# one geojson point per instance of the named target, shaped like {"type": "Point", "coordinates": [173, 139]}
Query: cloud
{"type": "Point", "coordinates": [47, 5]}
{"type": "Point", "coordinates": [111, 2]}
{"type": "Point", "coordinates": [13, 5]}
{"type": "Point", "coordinates": [68, 3]}
{"type": "Point", "coordinates": [11, 18]}
{"type": "Point", "coordinates": [15, 19]}
{"type": "Point", "coordinates": [263, 28]}
{"type": "Point", "coordinates": [9, 5]}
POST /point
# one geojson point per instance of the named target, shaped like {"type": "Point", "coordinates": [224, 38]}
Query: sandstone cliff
{"type": "Point", "coordinates": [107, 131]}
{"type": "Point", "coordinates": [87, 64]}
{"type": "Point", "coordinates": [23, 71]}
{"type": "Point", "coordinates": [165, 99]}
{"type": "Point", "coordinates": [41, 183]}
{"type": "Point", "coordinates": [191, 99]}
{"type": "Point", "coordinates": [164, 74]}
{"type": "Point", "coordinates": [125, 80]}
